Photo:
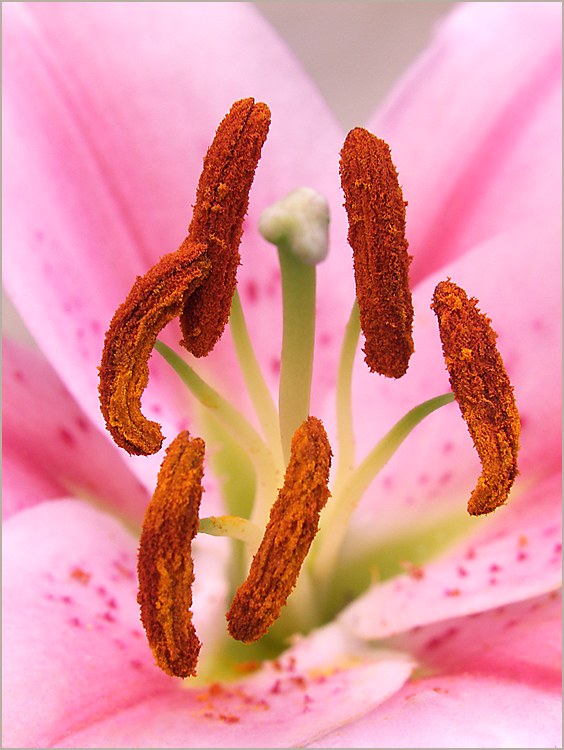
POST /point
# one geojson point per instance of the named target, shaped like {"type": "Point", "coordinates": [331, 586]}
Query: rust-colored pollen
{"type": "Point", "coordinates": [221, 204]}
{"type": "Point", "coordinates": [165, 567]}
{"type": "Point", "coordinates": [483, 392]}
{"type": "Point", "coordinates": [292, 526]}
{"type": "Point", "coordinates": [376, 214]}
{"type": "Point", "coordinates": [154, 300]}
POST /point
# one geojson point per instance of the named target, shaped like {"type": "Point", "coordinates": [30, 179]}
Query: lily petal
{"type": "Point", "coordinates": [475, 128]}
{"type": "Point", "coordinates": [304, 684]}
{"type": "Point", "coordinates": [514, 556]}
{"type": "Point", "coordinates": [492, 680]}
{"type": "Point", "coordinates": [73, 623]}
{"type": "Point", "coordinates": [103, 126]}
{"type": "Point", "coordinates": [53, 447]}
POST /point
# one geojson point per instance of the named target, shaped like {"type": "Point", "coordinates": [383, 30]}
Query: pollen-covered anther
{"type": "Point", "coordinates": [221, 204]}
{"type": "Point", "coordinates": [154, 300]}
{"type": "Point", "coordinates": [483, 392]}
{"type": "Point", "coordinates": [292, 526]}
{"type": "Point", "coordinates": [165, 566]}
{"type": "Point", "coordinates": [376, 214]}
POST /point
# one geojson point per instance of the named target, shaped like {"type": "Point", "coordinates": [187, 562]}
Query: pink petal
{"type": "Point", "coordinates": [515, 555]}
{"type": "Point", "coordinates": [516, 278]}
{"type": "Point", "coordinates": [317, 684]}
{"type": "Point", "coordinates": [109, 131]}
{"type": "Point", "coordinates": [72, 623]}
{"type": "Point", "coordinates": [52, 446]}
{"type": "Point", "coordinates": [494, 682]}
{"type": "Point", "coordinates": [475, 128]}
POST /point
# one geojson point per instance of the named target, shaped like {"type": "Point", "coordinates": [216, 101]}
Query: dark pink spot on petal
{"type": "Point", "coordinates": [251, 291]}
{"type": "Point", "coordinates": [387, 482]}
{"type": "Point", "coordinates": [452, 592]}
{"type": "Point", "coordinates": [275, 365]}
{"type": "Point", "coordinates": [123, 570]}
{"type": "Point", "coordinates": [75, 622]}
{"type": "Point", "coordinates": [67, 437]}
{"type": "Point", "coordinates": [82, 423]}
{"type": "Point", "coordinates": [80, 576]}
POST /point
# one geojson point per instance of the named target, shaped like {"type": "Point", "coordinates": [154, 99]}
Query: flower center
{"type": "Point", "coordinates": [277, 482]}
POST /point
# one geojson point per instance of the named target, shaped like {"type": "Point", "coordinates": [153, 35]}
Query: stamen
{"type": "Point", "coordinates": [376, 213]}
{"type": "Point", "coordinates": [154, 300]}
{"type": "Point", "coordinates": [165, 567]}
{"type": "Point", "coordinates": [293, 524]}
{"type": "Point", "coordinates": [221, 204]}
{"type": "Point", "coordinates": [483, 392]}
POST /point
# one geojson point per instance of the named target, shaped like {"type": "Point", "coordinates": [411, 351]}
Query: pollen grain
{"type": "Point", "coordinates": [165, 566]}
{"type": "Point", "coordinates": [376, 214]}
{"type": "Point", "coordinates": [483, 391]}
{"type": "Point", "coordinates": [291, 529]}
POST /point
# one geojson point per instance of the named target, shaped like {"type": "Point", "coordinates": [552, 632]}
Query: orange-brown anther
{"type": "Point", "coordinates": [483, 392]}
{"type": "Point", "coordinates": [153, 301]}
{"type": "Point", "coordinates": [165, 566]}
{"type": "Point", "coordinates": [292, 526]}
{"type": "Point", "coordinates": [376, 214]}
{"type": "Point", "coordinates": [221, 204]}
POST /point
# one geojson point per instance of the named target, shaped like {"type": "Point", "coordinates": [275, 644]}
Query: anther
{"type": "Point", "coordinates": [154, 300]}
{"type": "Point", "coordinates": [165, 566]}
{"type": "Point", "coordinates": [376, 214]}
{"type": "Point", "coordinates": [483, 392]}
{"type": "Point", "coordinates": [221, 204]}
{"type": "Point", "coordinates": [292, 526]}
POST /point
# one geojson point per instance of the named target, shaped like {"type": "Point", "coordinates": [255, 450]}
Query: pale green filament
{"type": "Point", "coordinates": [345, 431]}
{"type": "Point", "coordinates": [234, 527]}
{"type": "Point", "coordinates": [347, 496]}
{"type": "Point", "coordinates": [254, 380]}
{"type": "Point", "coordinates": [298, 302]}
{"type": "Point", "coordinates": [246, 435]}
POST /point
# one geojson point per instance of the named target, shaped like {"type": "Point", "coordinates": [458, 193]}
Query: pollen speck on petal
{"type": "Point", "coordinates": [221, 204]}
{"type": "Point", "coordinates": [483, 391]}
{"type": "Point", "coordinates": [291, 529]}
{"type": "Point", "coordinates": [154, 300]}
{"type": "Point", "coordinates": [165, 566]}
{"type": "Point", "coordinates": [376, 213]}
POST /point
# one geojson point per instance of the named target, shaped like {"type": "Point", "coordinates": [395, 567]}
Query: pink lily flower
{"type": "Point", "coordinates": [109, 108]}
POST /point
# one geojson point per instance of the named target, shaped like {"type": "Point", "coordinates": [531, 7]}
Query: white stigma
{"type": "Point", "coordinates": [301, 220]}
